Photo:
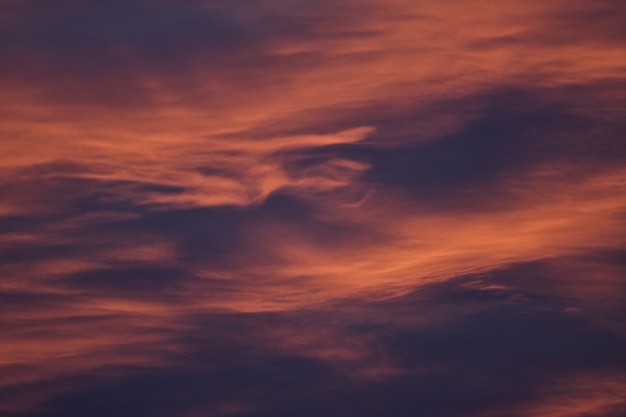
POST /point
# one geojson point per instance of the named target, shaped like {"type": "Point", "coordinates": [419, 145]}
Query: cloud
{"type": "Point", "coordinates": [284, 207]}
{"type": "Point", "coordinates": [494, 349]}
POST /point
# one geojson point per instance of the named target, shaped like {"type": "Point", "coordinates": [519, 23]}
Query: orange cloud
{"type": "Point", "coordinates": [97, 149]}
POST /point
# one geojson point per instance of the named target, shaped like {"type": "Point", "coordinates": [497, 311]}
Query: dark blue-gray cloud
{"type": "Point", "coordinates": [492, 347]}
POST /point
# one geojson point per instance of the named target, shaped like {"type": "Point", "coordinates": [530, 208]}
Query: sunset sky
{"type": "Point", "coordinates": [312, 208]}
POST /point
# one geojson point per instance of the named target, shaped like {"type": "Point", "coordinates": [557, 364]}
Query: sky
{"type": "Point", "coordinates": [276, 208]}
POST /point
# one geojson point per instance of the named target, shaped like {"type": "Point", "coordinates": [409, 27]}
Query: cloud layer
{"type": "Point", "coordinates": [285, 207]}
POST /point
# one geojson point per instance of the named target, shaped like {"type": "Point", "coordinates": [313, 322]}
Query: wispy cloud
{"type": "Point", "coordinates": [281, 208]}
